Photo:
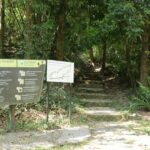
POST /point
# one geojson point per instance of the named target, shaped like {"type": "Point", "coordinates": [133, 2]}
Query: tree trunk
{"type": "Point", "coordinates": [2, 27]}
{"type": "Point", "coordinates": [29, 23]}
{"type": "Point", "coordinates": [91, 55]}
{"type": "Point", "coordinates": [144, 56]}
{"type": "Point", "coordinates": [104, 55]}
{"type": "Point", "coordinates": [130, 74]}
{"type": "Point", "coordinates": [128, 60]}
{"type": "Point", "coordinates": [60, 37]}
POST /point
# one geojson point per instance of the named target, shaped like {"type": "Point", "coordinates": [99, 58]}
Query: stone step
{"type": "Point", "coordinates": [92, 82]}
{"type": "Point", "coordinates": [93, 95]}
{"type": "Point", "coordinates": [101, 111]}
{"type": "Point", "coordinates": [90, 89]}
{"type": "Point", "coordinates": [89, 85]}
{"type": "Point", "coordinates": [96, 102]}
{"type": "Point", "coordinates": [92, 85]}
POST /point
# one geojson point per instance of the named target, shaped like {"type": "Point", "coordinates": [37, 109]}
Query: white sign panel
{"type": "Point", "coordinates": [60, 71]}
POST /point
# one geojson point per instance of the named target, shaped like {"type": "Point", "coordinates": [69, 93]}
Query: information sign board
{"type": "Point", "coordinates": [60, 71]}
{"type": "Point", "coordinates": [21, 81]}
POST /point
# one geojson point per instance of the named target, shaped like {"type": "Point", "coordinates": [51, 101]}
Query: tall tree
{"type": "Point", "coordinates": [104, 56]}
{"type": "Point", "coordinates": [60, 36]}
{"type": "Point", "coordinates": [144, 9]}
{"type": "Point", "coordinates": [144, 56]}
{"type": "Point", "coordinates": [2, 26]}
{"type": "Point", "coordinates": [29, 23]}
{"type": "Point", "coordinates": [91, 55]}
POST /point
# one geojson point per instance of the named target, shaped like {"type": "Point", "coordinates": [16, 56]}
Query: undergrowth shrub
{"type": "Point", "coordinates": [142, 99]}
{"type": "Point", "coordinates": [60, 99]}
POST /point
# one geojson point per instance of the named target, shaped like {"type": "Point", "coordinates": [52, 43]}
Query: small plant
{"type": "Point", "coordinates": [60, 99]}
{"type": "Point", "coordinates": [142, 100]}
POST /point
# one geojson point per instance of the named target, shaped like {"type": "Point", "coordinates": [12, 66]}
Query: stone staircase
{"type": "Point", "coordinates": [96, 99]}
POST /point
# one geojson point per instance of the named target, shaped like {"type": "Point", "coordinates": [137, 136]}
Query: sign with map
{"type": "Point", "coordinates": [21, 81]}
{"type": "Point", "coordinates": [60, 71]}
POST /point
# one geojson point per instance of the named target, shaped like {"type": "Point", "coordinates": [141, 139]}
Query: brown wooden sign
{"type": "Point", "coordinates": [21, 81]}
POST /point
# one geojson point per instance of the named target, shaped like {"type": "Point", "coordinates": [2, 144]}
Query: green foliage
{"type": "Point", "coordinates": [142, 99]}
{"type": "Point", "coordinates": [60, 99]}
{"type": "Point", "coordinates": [31, 30]}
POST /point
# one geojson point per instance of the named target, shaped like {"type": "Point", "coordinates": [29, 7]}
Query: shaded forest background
{"type": "Point", "coordinates": [112, 33]}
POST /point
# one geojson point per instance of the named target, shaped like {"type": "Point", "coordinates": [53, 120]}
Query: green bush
{"type": "Point", "coordinates": [60, 99]}
{"type": "Point", "coordinates": [142, 99]}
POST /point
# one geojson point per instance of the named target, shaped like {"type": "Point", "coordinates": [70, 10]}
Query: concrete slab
{"type": "Point", "coordinates": [46, 139]}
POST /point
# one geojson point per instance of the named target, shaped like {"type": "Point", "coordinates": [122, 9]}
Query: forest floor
{"type": "Point", "coordinates": [104, 121]}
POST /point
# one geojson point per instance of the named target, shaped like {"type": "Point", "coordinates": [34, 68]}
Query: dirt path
{"type": "Point", "coordinates": [116, 136]}
{"type": "Point", "coordinates": [109, 135]}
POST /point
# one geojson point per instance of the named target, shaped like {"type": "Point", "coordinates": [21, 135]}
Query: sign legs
{"type": "Point", "coordinates": [69, 112]}
{"type": "Point", "coordinates": [12, 117]}
{"type": "Point", "coordinates": [47, 115]}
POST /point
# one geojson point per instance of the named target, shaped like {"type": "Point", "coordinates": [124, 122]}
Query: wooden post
{"type": "Point", "coordinates": [47, 115]}
{"type": "Point", "coordinates": [12, 117]}
{"type": "Point", "coordinates": [69, 111]}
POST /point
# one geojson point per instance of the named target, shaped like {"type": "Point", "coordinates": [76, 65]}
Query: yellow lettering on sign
{"type": "Point", "coordinates": [29, 63]}
{"type": "Point", "coordinates": [8, 63]}
{"type": "Point", "coordinates": [13, 63]}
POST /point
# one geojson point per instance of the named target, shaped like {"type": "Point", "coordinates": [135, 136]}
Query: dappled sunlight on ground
{"type": "Point", "coordinates": [116, 136]}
